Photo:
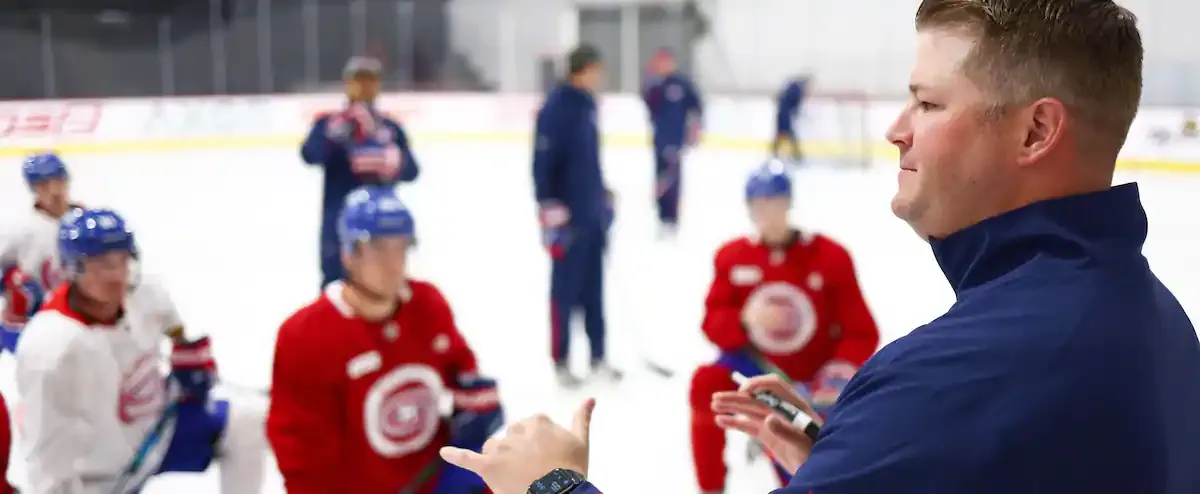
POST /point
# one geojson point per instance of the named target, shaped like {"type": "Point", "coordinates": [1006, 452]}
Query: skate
{"type": "Point", "coordinates": [667, 231]}
{"type": "Point", "coordinates": [603, 370]}
{"type": "Point", "coordinates": [565, 378]}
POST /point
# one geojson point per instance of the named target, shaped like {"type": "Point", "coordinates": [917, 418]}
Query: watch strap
{"type": "Point", "coordinates": [558, 481]}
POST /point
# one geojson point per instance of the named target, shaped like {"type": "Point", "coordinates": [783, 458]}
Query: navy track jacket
{"type": "Point", "coordinates": [566, 158]}
{"type": "Point", "coordinates": [1064, 367]}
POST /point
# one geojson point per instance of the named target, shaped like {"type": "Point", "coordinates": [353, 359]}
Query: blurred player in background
{"type": "Point", "coordinates": [5, 446]}
{"type": "Point", "coordinates": [356, 145]}
{"type": "Point", "coordinates": [360, 374]}
{"type": "Point", "coordinates": [99, 415]}
{"type": "Point", "coordinates": [782, 302]}
{"type": "Point", "coordinates": [676, 112]}
{"type": "Point", "coordinates": [28, 268]}
{"type": "Point", "coordinates": [575, 210]}
{"type": "Point", "coordinates": [786, 145]}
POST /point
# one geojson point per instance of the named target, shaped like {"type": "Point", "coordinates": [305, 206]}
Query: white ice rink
{"type": "Point", "coordinates": [234, 235]}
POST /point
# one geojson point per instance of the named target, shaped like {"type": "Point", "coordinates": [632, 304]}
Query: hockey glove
{"type": "Point", "coordinates": [193, 367]}
{"type": "Point", "coordinates": [477, 415]}
{"type": "Point", "coordinates": [23, 296]}
{"type": "Point", "coordinates": [555, 218]}
{"type": "Point", "coordinates": [829, 383]}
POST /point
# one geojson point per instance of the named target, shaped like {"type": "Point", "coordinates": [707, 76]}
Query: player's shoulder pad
{"type": "Point", "coordinates": [424, 291]}
{"type": "Point", "coordinates": [826, 245]}
{"type": "Point", "coordinates": [732, 249]}
{"type": "Point", "coordinates": [47, 337]}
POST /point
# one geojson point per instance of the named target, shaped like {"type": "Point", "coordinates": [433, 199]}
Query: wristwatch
{"type": "Point", "coordinates": [558, 481]}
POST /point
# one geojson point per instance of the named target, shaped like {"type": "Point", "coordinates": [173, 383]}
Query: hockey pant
{"type": "Point", "coordinates": [708, 440]}
{"type": "Point", "coordinates": [787, 146]}
{"type": "Point", "coordinates": [668, 174]}
{"type": "Point", "coordinates": [231, 434]}
{"type": "Point", "coordinates": [577, 284]}
{"type": "Point", "coordinates": [331, 253]}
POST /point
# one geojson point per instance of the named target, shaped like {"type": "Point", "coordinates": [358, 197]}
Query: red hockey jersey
{"type": "Point", "coordinates": [815, 277]}
{"type": "Point", "coordinates": [357, 406]}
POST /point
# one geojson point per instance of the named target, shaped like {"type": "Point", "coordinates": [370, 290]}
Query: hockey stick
{"type": "Point", "coordinates": [657, 368]}
{"type": "Point", "coordinates": [132, 470]}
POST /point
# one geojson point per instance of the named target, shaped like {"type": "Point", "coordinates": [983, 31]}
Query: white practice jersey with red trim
{"type": "Point", "coordinates": [90, 392]}
{"type": "Point", "coordinates": [32, 245]}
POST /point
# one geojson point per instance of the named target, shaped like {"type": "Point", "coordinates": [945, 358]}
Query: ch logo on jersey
{"type": "Point", "coordinates": [141, 392]}
{"type": "Point", "coordinates": [801, 322]}
{"type": "Point", "coordinates": [401, 410]}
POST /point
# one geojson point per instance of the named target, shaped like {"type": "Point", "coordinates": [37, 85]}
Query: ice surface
{"type": "Point", "coordinates": [234, 235]}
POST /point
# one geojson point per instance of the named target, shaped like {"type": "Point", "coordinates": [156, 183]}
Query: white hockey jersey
{"type": "Point", "coordinates": [90, 392]}
{"type": "Point", "coordinates": [32, 245]}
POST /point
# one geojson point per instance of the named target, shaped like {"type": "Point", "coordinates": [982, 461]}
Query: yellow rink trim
{"type": "Point", "coordinates": [820, 149]}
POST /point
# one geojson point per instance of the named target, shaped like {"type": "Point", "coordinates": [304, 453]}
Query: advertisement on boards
{"type": "Point", "coordinates": [188, 117]}
{"type": "Point", "coordinates": [49, 120]}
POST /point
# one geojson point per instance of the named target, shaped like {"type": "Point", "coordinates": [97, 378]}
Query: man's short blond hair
{"type": "Point", "coordinates": [1085, 53]}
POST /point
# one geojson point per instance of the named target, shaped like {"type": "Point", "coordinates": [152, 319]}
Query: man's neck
{"type": "Point", "coordinates": [776, 237]}
{"type": "Point", "coordinates": [56, 210]}
{"type": "Point", "coordinates": [368, 307]}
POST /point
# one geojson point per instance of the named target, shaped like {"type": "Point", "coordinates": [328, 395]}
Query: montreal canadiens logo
{"type": "Point", "coordinates": [141, 392]}
{"type": "Point", "coordinates": [401, 411]}
{"type": "Point", "coordinates": [800, 324]}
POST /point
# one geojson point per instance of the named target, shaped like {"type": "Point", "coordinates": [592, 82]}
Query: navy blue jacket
{"type": "Point", "coordinates": [566, 158]}
{"type": "Point", "coordinates": [318, 149]}
{"type": "Point", "coordinates": [1064, 367]}
{"type": "Point", "coordinates": [790, 100]}
{"type": "Point", "coordinates": [672, 102]}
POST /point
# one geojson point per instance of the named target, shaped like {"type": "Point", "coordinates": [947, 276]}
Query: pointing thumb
{"type": "Point", "coordinates": [462, 458]}
{"type": "Point", "coordinates": [582, 423]}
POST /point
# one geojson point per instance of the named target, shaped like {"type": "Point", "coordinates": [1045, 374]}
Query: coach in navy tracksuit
{"type": "Point", "coordinates": [575, 209]}
{"type": "Point", "coordinates": [356, 146]}
{"type": "Point", "coordinates": [675, 110]}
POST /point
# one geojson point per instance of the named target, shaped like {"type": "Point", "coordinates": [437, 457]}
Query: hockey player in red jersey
{"type": "Point", "coordinates": [361, 374]}
{"type": "Point", "coordinates": [784, 302]}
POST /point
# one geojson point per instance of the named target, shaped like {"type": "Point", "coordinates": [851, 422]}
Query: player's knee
{"type": "Point", "coordinates": [707, 380]}
{"type": "Point", "coordinates": [245, 430]}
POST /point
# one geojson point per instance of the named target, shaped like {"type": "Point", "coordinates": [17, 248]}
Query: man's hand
{"type": "Point", "coordinates": [738, 410]}
{"type": "Point", "coordinates": [527, 451]}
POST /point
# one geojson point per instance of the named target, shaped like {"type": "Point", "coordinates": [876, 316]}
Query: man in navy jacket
{"type": "Point", "coordinates": [1065, 365]}
{"type": "Point", "coordinates": [575, 210]}
{"type": "Point", "coordinates": [357, 145]}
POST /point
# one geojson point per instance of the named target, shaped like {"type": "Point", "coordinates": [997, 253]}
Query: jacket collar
{"type": "Point", "coordinates": [1084, 227]}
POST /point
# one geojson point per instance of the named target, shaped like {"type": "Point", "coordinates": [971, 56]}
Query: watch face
{"type": "Point", "coordinates": [558, 481]}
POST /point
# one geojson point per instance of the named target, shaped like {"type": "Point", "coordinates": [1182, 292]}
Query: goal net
{"type": "Point", "coordinates": [834, 128]}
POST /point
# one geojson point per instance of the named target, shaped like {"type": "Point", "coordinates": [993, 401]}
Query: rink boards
{"type": "Point", "coordinates": [1161, 138]}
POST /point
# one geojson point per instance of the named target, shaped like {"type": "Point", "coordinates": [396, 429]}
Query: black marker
{"type": "Point", "coordinates": [789, 411]}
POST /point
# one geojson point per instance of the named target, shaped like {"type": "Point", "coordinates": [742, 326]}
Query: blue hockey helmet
{"type": "Point", "coordinates": [41, 167]}
{"type": "Point", "coordinates": [769, 180]}
{"type": "Point", "coordinates": [372, 211]}
{"type": "Point", "coordinates": [84, 233]}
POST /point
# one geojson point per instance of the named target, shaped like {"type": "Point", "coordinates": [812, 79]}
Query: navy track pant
{"type": "Point", "coordinates": [577, 285]}
{"type": "Point", "coordinates": [668, 174]}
